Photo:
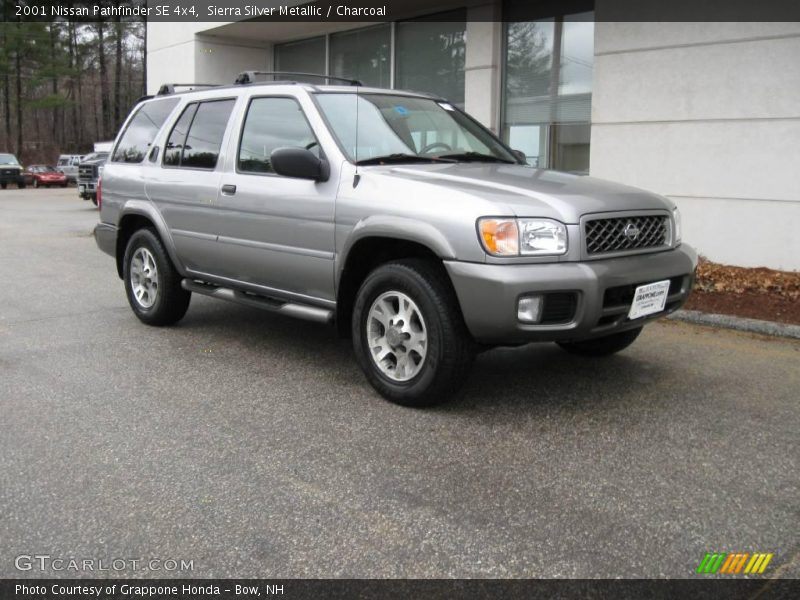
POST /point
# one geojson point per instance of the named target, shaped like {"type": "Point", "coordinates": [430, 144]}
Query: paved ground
{"type": "Point", "coordinates": [251, 444]}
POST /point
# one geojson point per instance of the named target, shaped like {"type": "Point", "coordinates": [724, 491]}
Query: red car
{"type": "Point", "coordinates": [45, 175]}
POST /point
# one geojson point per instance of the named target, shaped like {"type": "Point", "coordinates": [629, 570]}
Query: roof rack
{"type": "Point", "coordinates": [169, 88]}
{"type": "Point", "coordinates": [246, 77]}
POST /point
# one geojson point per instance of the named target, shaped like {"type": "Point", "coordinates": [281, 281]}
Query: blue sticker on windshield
{"type": "Point", "coordinates": [402, 110]}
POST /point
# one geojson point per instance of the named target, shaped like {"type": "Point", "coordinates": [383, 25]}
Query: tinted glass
{"type": "Point", "coordinates": [272, 123]}
{"type": "Point", "coordinates": [431, 55]}
{"type": "Point", "coordinates": [202, 145]}
{"type": "Point", "coordinates": [548, 83]}
{"type": "Point", "coordinates": [141, 130]}
{"type": "Point", "coordinates": [307, 56]}
{"type": "Point", "coordinates": [362, 54]}
{"type": "Point", "coordinates": [177, 137]}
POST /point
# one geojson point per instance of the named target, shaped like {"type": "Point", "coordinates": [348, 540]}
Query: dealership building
{"type": "Point", "coordinates": [707, 114]}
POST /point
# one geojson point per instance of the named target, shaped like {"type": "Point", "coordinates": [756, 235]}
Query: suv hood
{"type": "Point", "coordinates": [529, 192]}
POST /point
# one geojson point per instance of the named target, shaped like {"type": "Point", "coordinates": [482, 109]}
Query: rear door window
{"type": "Point", "coordinates": [141, 130]}
{"type": "Point", "coordinates": [196, 138]}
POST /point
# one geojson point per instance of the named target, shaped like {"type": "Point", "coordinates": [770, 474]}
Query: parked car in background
{"type": "Point", "coordinates": [44, 176]}
{"type": "Point", "coordinates": [88, 172]}
{"type": "Point", "coordinates": [68, 164]}
{"type": "Point", "coordinates": [10, 171]}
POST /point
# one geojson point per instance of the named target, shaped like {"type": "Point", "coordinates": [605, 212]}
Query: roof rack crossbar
{"type": "Point", "coordinates": [169, 88]}
{"type": "Point", "coordinates": [246, 77]}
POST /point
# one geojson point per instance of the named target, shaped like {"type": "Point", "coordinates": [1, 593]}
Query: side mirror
{"type": "Point", "coordinates": [520, 156]}
{"type": "Point", "coordinates": [300, 163]}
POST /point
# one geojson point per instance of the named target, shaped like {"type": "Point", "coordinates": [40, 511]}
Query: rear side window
{"type": "Point", "coordinates": [141, 131]}
{"type": "Point", "coordinates": [272, 123]}
{"type": "Point", "coordinates": [177, 137]}
{"type": "Point", "coordinates": [196, 138]}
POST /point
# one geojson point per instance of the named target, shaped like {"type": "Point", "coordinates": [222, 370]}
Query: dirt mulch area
{"type": "Point", "coordinates": [753, 293]}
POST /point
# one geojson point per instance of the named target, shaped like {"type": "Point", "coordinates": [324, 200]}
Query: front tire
{"type": "Point", "coordinates": [21, 185]}
{"type": "Point", "coordinates": [602, 346]}
{"type": "Point", "coordinates": [408, 333]}
{"type": "Point", "coordinates": [152, 284]}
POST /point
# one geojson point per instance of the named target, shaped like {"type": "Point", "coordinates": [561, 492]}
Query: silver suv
{"type": "Point", "coordinates": [394, 215]}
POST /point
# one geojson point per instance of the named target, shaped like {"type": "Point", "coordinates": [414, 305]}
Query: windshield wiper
{"type": "Point", "coordinates": [399, 157]}
{"type": "Point", "coordinates": [477, 157]}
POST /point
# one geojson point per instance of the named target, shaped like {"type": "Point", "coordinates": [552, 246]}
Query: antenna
{"type": "Point", "coordinates": [356, 176]}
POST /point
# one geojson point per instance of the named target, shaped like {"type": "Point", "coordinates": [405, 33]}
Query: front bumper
{"type": "Point", "coordinates": [488, 294]}
{"type": "Point", "coordinates": [87, 188]}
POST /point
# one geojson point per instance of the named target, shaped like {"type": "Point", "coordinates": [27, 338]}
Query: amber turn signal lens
{"type": "Point", "coordinates": [500, 236]}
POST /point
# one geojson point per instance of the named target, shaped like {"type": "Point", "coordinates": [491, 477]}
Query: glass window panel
{"type": "Point", "coordinates": [177, 137]}
{"type": "Point", "coordinates": [306, 56]}
{"type": "Point", "coordinates": [430, 55]}
{"type": "Point", "coordinates": [201, 149]}
{"type": "Point", "coordinates": [362, 54]}
{"type": "Point", "coordinates": [570, 147]}
{"type": "Point", "coordinates": [548, 90]}
{"type": "Point", "coordinates": [529, 76]}
{"type": "Point", "coordinates": [273, 123]}
{"type": "Point", "coordinates": [141, 131]}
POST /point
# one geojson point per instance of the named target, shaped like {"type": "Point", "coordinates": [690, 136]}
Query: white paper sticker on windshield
{"type": "Point", "coordinates": [446, 106]}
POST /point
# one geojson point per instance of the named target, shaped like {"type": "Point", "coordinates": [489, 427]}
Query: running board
{"type": "Point", "coordinates": [292, 309]}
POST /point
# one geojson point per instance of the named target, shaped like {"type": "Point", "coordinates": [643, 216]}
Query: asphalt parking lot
{"type": "Point", "coordinates": [252, 445]}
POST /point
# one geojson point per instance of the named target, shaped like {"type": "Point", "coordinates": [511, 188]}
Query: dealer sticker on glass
{"type": "Point", "coordinates": [649, 299]}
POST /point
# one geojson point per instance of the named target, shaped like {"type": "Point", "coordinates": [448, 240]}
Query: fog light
{"type": "Point", "coordinates": [529, 309]}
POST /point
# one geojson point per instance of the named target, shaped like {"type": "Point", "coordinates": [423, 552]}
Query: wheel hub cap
{"type": "Point", "coordinates": [397, 336]}
{"type": "Point", "coordinates": [144, 277]}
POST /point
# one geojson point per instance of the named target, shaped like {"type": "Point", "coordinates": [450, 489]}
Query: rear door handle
{"type": "Point", "coordinates": [228, 189]}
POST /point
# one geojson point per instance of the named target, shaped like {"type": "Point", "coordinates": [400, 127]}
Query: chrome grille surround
{"type": "Point", "coordinates": [613, 234]}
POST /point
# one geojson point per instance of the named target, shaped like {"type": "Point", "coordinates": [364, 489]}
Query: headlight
{"type": "Point", "coordinates": [523, 237]}
{"type": "Point", "coordinates": [676, 219]}
{"type": "Point", "coordinates": [542, 237]}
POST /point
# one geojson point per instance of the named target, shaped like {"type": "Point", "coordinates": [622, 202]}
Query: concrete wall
{"type": "Point", "coordinates": [191, 53]}
{"type": "Point", "coordinates": [709, 115]}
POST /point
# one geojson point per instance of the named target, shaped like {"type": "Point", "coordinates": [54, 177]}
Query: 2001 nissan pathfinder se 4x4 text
{"type": "Point", "coordinates": [393, 214]}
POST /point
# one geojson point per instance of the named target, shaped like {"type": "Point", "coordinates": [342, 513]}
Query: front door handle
{"type": "Point", "coordinates": [228, 189]}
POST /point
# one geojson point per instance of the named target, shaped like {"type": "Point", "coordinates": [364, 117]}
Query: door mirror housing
{"type": "Point", "coordinates": [300, 163]}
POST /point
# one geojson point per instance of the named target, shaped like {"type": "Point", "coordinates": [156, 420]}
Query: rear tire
{"type": "Point", "coordinates": [602, 346]}
{"type": "Point", "coordinates": [152, 283]}
{"type": "Point", "coordinates": [408, 333]}
{"type": "Point", "coordinates": [94, 200]}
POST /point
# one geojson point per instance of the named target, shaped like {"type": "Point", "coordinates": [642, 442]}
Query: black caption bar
{"type": "Point", "coordinates": [221, 589]}
{"type": "Point", "coordinates": [394, 10]}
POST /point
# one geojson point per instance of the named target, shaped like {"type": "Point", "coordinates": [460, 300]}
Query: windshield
{"type": "Point", "coordinates": [94, 156]}
{"type": "Point", "coordinates": [8, 159]}
{"type": "Point", "coordinates": [393, 125]}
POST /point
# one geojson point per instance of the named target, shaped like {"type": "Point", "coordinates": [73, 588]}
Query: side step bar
{"type": "Point", "coordinates": [292, 309]}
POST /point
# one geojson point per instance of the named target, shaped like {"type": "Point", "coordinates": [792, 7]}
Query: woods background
{"type": "Point", "coordinates": [66, 85]}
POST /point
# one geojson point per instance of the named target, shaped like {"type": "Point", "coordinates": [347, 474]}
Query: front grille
{"type": "Point", "coordinates": [559, 307]}
{"type": "Point", "coordinates": [86, 171]}
{"type": "Point", "coordinates": [624, 234]}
